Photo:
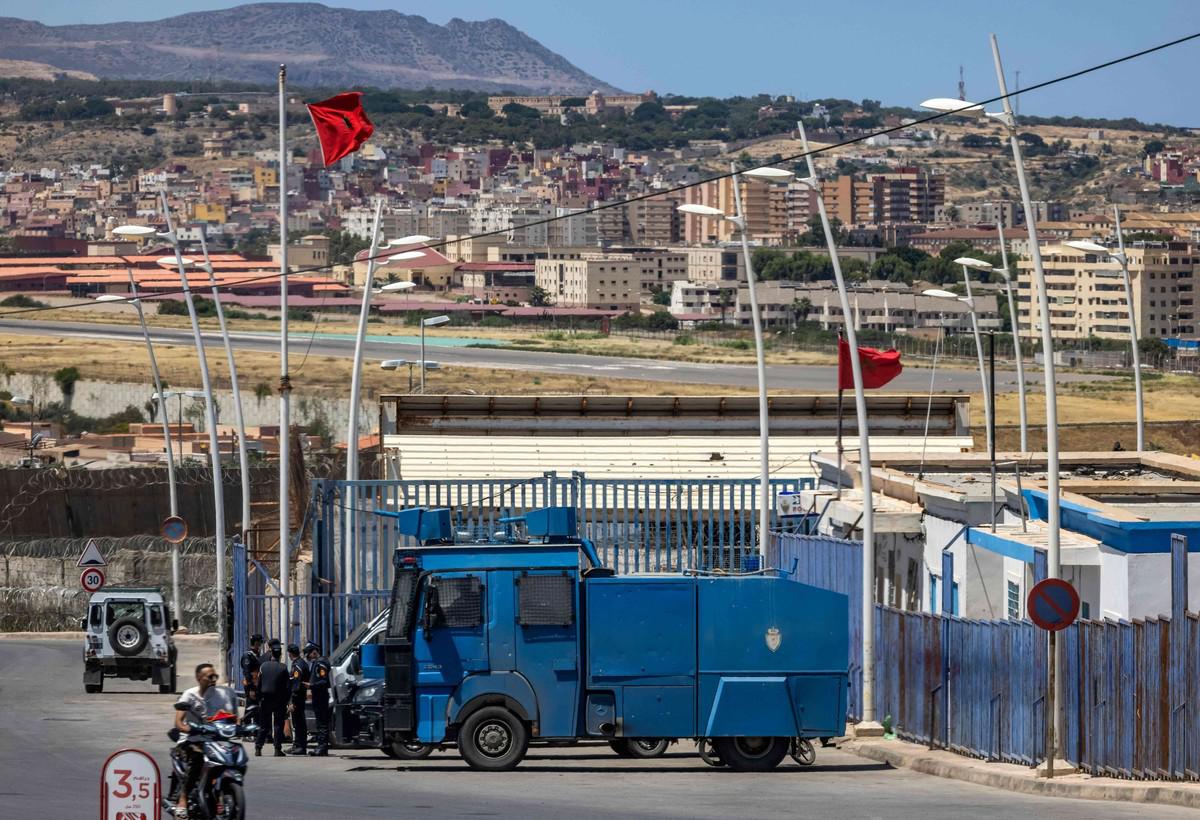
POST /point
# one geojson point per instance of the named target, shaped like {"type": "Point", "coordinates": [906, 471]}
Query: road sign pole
{"type": "Point", "coordinates": [1051, 712]}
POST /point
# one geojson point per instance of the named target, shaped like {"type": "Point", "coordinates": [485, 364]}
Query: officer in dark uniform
{"type": "Point", "coordinates": [249, 663]}
{"type": "Point", "coordinates": [319, 683]}
{"type": "Point", "coordinates": [274, 691]}
{"type": "Point", "coordinates": [299, 694]}
{"type": "Point", "coordinates": [274, 650]}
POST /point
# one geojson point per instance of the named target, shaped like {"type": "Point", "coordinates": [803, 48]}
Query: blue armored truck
{"type": "Point", "coordinates": [528, 637]}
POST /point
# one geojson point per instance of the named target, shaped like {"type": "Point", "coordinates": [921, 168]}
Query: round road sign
{"type": "Point", "coordinates": [91, 579]}
{"type": "Point", "coordinates": [174, 529]}
{"type": "Point", "coordinates": [1053, 604]}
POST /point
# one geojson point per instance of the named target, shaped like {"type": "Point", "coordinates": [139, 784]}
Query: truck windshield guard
{"type": "Point", "coordinates": [403, 596]}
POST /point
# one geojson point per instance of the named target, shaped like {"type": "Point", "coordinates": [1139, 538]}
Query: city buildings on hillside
{"type": "Point", "coordinates": [1087, 292]}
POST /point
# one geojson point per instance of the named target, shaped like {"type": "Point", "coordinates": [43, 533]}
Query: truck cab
{"type": "Point", "coordinates": [491, 645]}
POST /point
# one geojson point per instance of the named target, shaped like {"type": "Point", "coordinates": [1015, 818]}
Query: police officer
{"type": "Point", "coordinates": [274, 693]}
{"type": "Point", "coordinates": [318, 684]}
{"type": "Point", "coordinates": [274, 650]}
{"type": "Point", "coordinates": [299, 694]}
{"type": "Point", "coordinates": [249, 663]}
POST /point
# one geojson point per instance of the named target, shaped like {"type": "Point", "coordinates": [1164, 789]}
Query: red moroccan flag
{"type": "Point", "coordinates": [878, 366]}
{"type": "Point", "coordinates": [342, 125]}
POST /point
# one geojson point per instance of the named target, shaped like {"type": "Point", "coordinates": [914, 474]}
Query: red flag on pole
{"type": "Point", "coordinates": [342, 125]}
{"type": "Point", "coordinates": [878, 366]}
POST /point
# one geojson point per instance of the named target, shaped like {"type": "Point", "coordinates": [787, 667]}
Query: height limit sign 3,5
{"type": "Point", "coordinates": [1053, 604]}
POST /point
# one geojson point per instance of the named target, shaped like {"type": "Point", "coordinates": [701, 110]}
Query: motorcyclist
{"type": "Point", "coordinates": [196, 705]}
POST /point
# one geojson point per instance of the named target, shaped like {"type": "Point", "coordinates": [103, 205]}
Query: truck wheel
{"type": "Point", "coordinates": [643, 748]}
{"type": "Point", "coordinates": [751, 754]}
{"type": "Point", "coordinates": [93, 688]}
{"type": "Point", "coordinates": [708, 752]}
{"type": "Point", "coordinates": [407, 750]}
{"type": "Point", "coordinates": [128, 636]}
{"type": "Point", "coordinates": [493, 739]}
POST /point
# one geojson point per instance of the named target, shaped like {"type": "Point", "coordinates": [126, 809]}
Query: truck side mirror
{"type": "Point", "coordinates": [174, 625]}
{"type": "Point", "coordinates": [83, 623]}
{"type": "Point", "coordinates": [355, 661]}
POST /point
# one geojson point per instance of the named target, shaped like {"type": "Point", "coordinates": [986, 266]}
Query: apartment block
{"type": "Point", "coordinates": [617, 280]}
{"type": "Point", "coordinates": [908, 194]}
{"type": "Point", "coordinates": [593, 281]}
{"type": "Point", "coordinates": [1087, 293]}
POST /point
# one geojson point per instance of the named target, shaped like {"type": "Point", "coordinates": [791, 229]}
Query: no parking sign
{"type": "Point", "coordinates": [130, 787]}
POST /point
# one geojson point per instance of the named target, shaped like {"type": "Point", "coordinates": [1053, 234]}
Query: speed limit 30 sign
{"type": "Point", "coordinates": [130, 787]}
{"type": "Point", "coordinates": [91, 579]}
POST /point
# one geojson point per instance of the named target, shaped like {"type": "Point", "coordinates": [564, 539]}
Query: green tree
{"type": "Point", "coordinates": [539, 297]}
{"type": "Point", "coordinates": [662, 297]}
{"type": "Point", "coordinates": [1153, 147]}
{"type": "Point", "coordinates": [65, 378]}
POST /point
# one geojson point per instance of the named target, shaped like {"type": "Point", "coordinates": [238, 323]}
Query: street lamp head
{"type": "Point", "coordinates": [134, 231]}
{"type": "Point", "coordinates": [391, 287]}
{"type": "Point", "coordinates": [938, 293]}
{"type": "Point", "coordinates": [769, 174]}
{"type": "Point", "coordinates": [415, 239]}
{"type": "Point", "coordinates": [702, 210]}
{"type": "Point", "coordinates": [171, 261]}
{"type": "Point", "coordinates": [432, 366]}
{"type": "Point", "coordinates": [403, 256]}
{"type": "Point", "coordinates": [969, 262]}
{"type": "Point", "coordinates": [1004, 274]}
{"type": "Point", "coordinates": [1088, 247]}
{"type": "Point", "coordinates": [949, 105]}
{"type": "Point", "coordinates": [20, 401]}
{"type": "Point", "coordinates": [433, 321]}
{"type": "Point", "coordinates": [393, 364]}
{"type": "Point", "coordinates": [195, 394]}
{"type": "Point", "coordinates": [116, 297]}
{"type": "Point", "coordinates": [166, 394]}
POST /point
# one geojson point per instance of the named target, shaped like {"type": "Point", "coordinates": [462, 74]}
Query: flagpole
{"type": "Point", "coordinates": [285, 384]}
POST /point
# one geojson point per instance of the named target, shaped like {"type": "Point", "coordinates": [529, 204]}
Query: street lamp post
{"type": "Point", "coordinates": [432, 321]}
{"type": "Point", "coordinates": [967, 263]}
{"type": "Point", "coordinates": [164, 415]}
{"type": "Point", "coordinates": [239, 418]}
{"type": "Point", "coordinates": [1008, 121]}
{"type": "Point", "coordinates": [738, 220]}
{"type": "Point", "coordinates": [396, 364]}
{"type": "Point", "coordinates": [1016, 336]}
{"type": "Point", "coordinates": [868, 725]}
{"type": "Point", "coordinates": [1121, 257]}
{"type": "Point", "coordinates": [213, 443]}
{"type": "Point", "coordinates": [988, 388]}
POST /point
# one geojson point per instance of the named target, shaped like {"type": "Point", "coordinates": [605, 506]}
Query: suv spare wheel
{"type": "Point", "coordinates": [128, 636]}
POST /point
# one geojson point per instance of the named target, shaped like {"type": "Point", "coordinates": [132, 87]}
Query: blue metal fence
{"type": "Point", "coordinates": [637, 525]}
{"type": "Point", "coordinates": [1131, 691]}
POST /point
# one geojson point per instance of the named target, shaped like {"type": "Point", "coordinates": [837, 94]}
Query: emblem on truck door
{"type": "Point", "coordinates": [774, 638]}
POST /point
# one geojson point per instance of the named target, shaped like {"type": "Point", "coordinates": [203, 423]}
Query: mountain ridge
{"type": "Point", "coordinates": [321, 45]}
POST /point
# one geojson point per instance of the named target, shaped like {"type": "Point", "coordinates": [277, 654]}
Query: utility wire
{"type": "Point", "coordinates": [975, 106]}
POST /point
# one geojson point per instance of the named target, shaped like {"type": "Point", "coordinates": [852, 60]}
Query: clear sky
{"type": "Point", "coordinates": [897, 51]}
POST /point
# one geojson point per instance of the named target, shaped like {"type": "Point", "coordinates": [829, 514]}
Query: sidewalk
{"type": "Point", "coordinates": [1017, 778]}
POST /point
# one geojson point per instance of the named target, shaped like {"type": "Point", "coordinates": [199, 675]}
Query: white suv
{"type": "Point", "coordinates": [127, 634]}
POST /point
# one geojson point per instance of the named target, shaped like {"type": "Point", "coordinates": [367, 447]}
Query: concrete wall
{"type": "Point", "coordinates": [39, 580]}
{"type": "Point", "coordinates": [101, 398]}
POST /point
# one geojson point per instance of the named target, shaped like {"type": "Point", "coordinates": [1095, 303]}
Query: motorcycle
{"type": "Point", "coordinates": [218, 792]}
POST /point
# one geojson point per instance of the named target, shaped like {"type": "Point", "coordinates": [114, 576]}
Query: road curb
{"type": "Point", "coordinates": [1021, 779]}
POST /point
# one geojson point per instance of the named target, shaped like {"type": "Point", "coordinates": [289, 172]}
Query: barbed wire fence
{"type": "Point", "coordinates": [39, 591]}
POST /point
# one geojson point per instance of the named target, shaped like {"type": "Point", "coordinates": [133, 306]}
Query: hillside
{"type": "Point", "coordinates": [322, 46]}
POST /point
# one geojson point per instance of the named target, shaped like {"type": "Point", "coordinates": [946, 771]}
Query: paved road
{"type": "Point", "coordinates": [54, 740]}
{"type": "Point", "coordinates": [792, 376]}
